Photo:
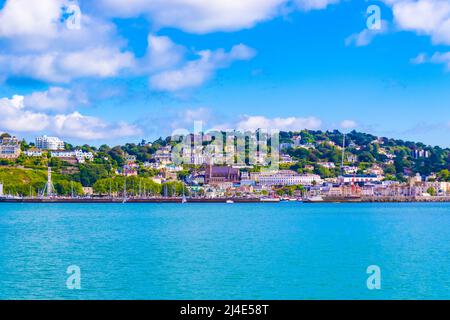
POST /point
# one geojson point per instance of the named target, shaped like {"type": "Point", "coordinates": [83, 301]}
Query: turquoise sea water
{"type": "Point", "coordinates": [224, 251]}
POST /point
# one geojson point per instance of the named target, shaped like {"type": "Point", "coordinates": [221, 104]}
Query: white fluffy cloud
{"type": "Point", "coordinates": [16, 116]}
{"type": "Point", "coordinates": [62, 67]}
{"type": "Point", "coordinates": [196, 72]}
{"type": "Point", "coordinates": [196, 16]}
{"type": "Point", "coordinates": [55, 98]}
{"type": "Point", "coordinates": [83, 127]}
{"type": "Point", "coordinates": [200, 16]}
{"type": "Point", "coordinates": [39, 45]}
{"type": "Point", "coordinates": [425, 17]}
{"type": "Point", "coordinates": [30, 18]}
{"type": "Point", "coordinates": [162, 53]}
{"type": "Point", "coordinates": [289, 123]}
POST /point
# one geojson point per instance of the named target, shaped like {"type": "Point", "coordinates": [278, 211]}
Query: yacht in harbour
{"type": "Point", "coordinates": [270, 200]}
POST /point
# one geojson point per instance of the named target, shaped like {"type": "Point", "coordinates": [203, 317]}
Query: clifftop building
{"type": "Point", "coordinates": [9, 148]}
{"type": "Point", "coordinates": [49, 143]}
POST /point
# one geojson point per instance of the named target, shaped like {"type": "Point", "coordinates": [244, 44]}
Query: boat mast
{"type": "Point", "coordinates": [140, 188]}
{"type": "Point", "coordinates": [125, 188]}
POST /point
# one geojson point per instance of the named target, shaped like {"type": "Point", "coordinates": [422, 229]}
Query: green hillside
{"type": "Point", "coordinates": [19, 181]}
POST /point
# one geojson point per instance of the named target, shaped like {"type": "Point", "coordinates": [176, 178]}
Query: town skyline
{"type": "Point", "coordinates": [103, 72]}
{"type": "Point", "coordinates": [307, 165]}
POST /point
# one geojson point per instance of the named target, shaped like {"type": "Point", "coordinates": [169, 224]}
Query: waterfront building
{"type": "Point", "coordinates": [359, 178]}
{"type": "Point", "coordinates": [368, 190]}
{"type": "Point", "coordinates": [49, 143]}
{"type": "Point", "coordinates": [341, 191]}
{"type": "Point", "coordinates": [284, 178]}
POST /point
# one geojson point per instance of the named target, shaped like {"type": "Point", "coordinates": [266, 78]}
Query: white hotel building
{"type": "Point", "coordinates": [284, 178]}
{"type": "Point", "coordinates": [77, 154]}
{"type": "Point", "coordinates": [49, 143]}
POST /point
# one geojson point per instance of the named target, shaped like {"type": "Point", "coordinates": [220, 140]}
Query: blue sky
{"type": "Point", "coordinates": [266, 63]}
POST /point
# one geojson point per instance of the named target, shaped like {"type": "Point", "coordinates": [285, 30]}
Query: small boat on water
{"type": "Point", "coordinates": [315, 199]}
{"type": "Point", "coordinates": [230, 201]}
{"type": "Point", "coordinates": [270, 200]}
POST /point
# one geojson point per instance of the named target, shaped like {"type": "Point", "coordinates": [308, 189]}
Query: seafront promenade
{"type": "Point", "coordinates": [229, 200]}
{"type": "Point", "coordinates": [130, 200]}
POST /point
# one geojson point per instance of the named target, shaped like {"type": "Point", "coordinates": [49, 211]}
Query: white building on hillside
{"type": "Point", "coordinates": [358, 178]}
{"type": "Point", "coordinates": [328, 165]}
{"type": "Point", "coordinates": [80, 155]}
{"type": "Point", "coordinates": [49, 143]}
